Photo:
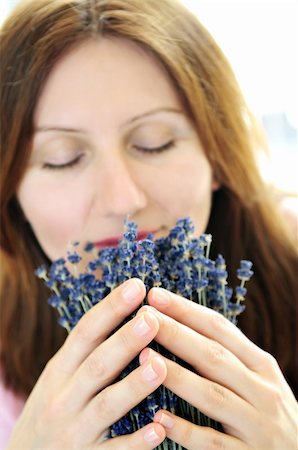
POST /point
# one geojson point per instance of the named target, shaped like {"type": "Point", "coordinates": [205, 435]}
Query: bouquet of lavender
{"type": "Point", "coordinates": [180, 263]}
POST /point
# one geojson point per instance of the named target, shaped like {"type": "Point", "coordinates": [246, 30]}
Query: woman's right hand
{"type": "Point", "coordinates": [74, 401]}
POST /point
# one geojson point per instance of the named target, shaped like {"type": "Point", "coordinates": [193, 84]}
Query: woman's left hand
{"type": "Point", "coordinates": [236, 383]}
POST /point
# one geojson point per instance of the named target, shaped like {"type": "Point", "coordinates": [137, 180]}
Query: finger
{"type": "Point", "coordinates": [148, 437]}
{"type": "Point", "coordinates": [210, 324]}
{"type": "Point", "coordinates": [237, 416]}
{"type": "Point", "coordinates": [106, 362]}
{"type": "Point", "coordinates": [116, 400]}
{"type": "Point", "coordinates": [94, 327]}
{"type": "Point", "coordinates": [194, 437]}
{"type": "Point", "coordinates": [207, 357]}
{"type": "Point", "coordinates": [216, 363]}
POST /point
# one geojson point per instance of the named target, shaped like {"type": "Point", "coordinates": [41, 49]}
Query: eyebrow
{"type": "Point", "coordinates": [154, 111]}
{"type": "Point", "coordinates": [55, 128]}
{"type": "Point", "coordinates": [43, 129]}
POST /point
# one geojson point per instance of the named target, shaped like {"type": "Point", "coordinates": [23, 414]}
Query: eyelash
{"type": "Point", "coordinates": [160, 149]}
{"type": "Point", "coordinates": [75, 161]}
{"type": "Point", "coordinates": [67, 165]}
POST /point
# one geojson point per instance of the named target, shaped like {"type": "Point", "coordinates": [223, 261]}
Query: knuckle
{"type": "Point", "coordinates": [185, 306]}
{"type": "Point", "coordinates": [127, 341]}
{"type": "Point", "coordinates": [54, 411]}
{"type": "Point", "coordinates": [50, 365]}
{"type": "Point", "coordinates": [136, 386]}
{"type": "Point", "coordinates": [276, 398]}
{"type": "Point", "coordinates": [269, 363]}
{"type": "Point", "coordinates": [179, 375]}
{"type": "Point", "coordinates": [218, 321]}
{"type": "Point", "coordinates": [174, 331]}
{"type": "Point", "coordinates": [94, 366]}
{"type": "Point", "coordinates": [49, 371]}
{"type": "Point", "coordinates": [54, 363]}
{"type": "Point", "coordinates": [186, 434]}
{"type": "Point", "coordinates": [82, 330]}
{"type": "Point", "coordinates": [216, 395]}
{"type": "Point", "coordinates": [56, 408]}
{"type": "Point", "coordinates": [215, 443]}
{"type": "Point", "coordinates": [273, 362]}
{"type": "Point", "coordinates": [105, 408]}
{"type": "Point", "coordinates": [86, 330]}
{"type": "Point", "coordinates": [133, 441]}
{"type": "Point", "coordinates": [215, 353]}
{"type": "Point", "coordinates": [116, 305]}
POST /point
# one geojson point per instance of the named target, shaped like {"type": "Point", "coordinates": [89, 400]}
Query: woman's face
{"type": "Point", "coordinates": [111, 140]}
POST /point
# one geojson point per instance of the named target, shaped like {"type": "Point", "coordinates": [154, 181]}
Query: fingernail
{"type": "Point", "coordinates": [166, 421]}
{"type": "Point", "coordinates": [149, 373]}
{"type": "Point", "coordinates": [141, 327]}
{"type": "Point", "coordinates": [161, 297]}
{"type": "Point", "coordinates": [151, 436]}
{"type": "Point", "coordinates": [145, 355]}
{"type": "Point", "coordinates": [131, 290]}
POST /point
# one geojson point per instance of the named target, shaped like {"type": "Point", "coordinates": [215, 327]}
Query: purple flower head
{"type": "Point", "coordinates": [244, 274]}
{"type": "Point", "coordinates": [89, 247]}
{"type": "Point", "coordinates": [178, 262]}
{"type": "Point", "coordinates": [41, 272]}
{"type": "Point", "coordinates": [74, 258]}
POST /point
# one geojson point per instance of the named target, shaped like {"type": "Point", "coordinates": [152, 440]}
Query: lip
{"type": "Point", "coordinates": [114, 241]}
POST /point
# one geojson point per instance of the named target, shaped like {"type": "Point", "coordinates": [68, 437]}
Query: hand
{"type": "Point", "coordinates": [74, 403]}
{"type": "Point", "coordinates": [236, 383]}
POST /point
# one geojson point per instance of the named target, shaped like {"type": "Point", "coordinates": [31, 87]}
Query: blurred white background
{"type": "Point", "coordinates": [259, 37]}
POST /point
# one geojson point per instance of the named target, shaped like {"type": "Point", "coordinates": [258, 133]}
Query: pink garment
{"type": "Point", "coordinates": [11, 407]}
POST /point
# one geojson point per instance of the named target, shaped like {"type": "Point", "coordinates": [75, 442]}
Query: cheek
{"type": "Point", "coordinates": [184, 189]}
{"type": "Point", "coordinates": [56, 215]}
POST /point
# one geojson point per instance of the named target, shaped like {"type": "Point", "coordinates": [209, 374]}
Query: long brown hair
{"type": "Point", "coordinates": [244, 222]}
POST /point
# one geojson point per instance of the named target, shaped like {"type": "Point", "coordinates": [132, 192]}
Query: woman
{"type": "Point", "coordinates": [116, 108]}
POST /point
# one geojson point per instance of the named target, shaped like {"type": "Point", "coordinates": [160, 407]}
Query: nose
{"type": "Point", "coordinates": [120, 194]}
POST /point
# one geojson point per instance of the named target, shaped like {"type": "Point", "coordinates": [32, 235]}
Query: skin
{"type": "Point", "coordinates": [116, 111]}
{"type": "Point", "coordinates": [240, 385]}
{"type": "Point", "coordinates": [234, 381]}
{"type": "Point", "coordinates": [74, 392]}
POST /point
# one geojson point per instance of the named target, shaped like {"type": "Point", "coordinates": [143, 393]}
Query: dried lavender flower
{"type": "Point", "coordinates": [180, 263]}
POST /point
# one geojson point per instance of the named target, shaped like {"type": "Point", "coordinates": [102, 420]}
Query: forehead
{"type": "Point", "coordinates": [103, 75]}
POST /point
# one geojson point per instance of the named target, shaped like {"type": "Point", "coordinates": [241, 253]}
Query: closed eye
{"type": "Point", "coordinates": [159, 149]}
{"type": "Point", "coordinates": [66, 165]}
